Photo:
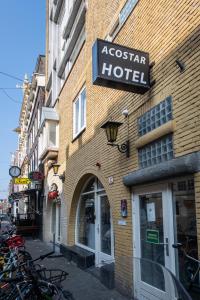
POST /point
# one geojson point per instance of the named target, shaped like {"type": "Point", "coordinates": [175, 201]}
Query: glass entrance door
{"type": "Point", "coordinates": [153, 241]}
{"type": "Point", "coordinates": [55, 221]}
{"type": "Point", "coordinates": [94, 230]}
{"type": "Point", "coordinates": [104, 229]}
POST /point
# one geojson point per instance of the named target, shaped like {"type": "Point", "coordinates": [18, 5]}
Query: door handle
{"type": "Point", "coordinates": [166, 244]}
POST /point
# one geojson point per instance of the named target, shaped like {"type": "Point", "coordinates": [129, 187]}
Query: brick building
{"type": "Point", "coordinates": [160, 180]}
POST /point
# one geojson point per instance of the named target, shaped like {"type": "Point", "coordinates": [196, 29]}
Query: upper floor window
{"type": "Point", "coordinates": [126, 10]}
{"type": "Point", "coordinates": [123, 15]}
{"type": "Point", "coordinates": [79, 113]}
{"type": "Point", "coordinates": [155, 117]}
{"type": "Point", "coordinates": [73, 36]}
{"type": "Point", "coordinates": [156, 152]}
{"type": "Point", "coordinates": [52, 134]}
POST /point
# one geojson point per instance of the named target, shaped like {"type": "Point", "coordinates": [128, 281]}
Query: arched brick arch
{"type": "Point", "coordinates": [72, 208]}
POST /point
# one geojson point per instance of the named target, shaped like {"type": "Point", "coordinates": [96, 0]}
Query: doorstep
{"type": "Point", "coordinates": [106, 274]}
{"type": "Point", "coordinates": [83, 258]}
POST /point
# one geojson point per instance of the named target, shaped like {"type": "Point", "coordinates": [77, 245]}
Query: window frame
{"type": "Point", "coordinates": [80, 128]}
{"type": "Point", "coordinates": [117, 26]}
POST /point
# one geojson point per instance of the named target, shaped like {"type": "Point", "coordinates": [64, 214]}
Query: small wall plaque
{"type": "Point", "coordinates": [122, 222]}
{"type": "Point", "coordinates": [110, 180]}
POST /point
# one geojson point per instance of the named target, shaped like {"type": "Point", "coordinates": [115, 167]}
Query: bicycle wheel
{"type": "Point", "coordinates": [67, 295]}
{"type": "Point", "coordinates": [190, 268]}
{"type": "Point", "coordinates": [41, 292]}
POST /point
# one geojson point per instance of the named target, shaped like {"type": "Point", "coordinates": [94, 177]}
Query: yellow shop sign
{"type": "Point", "coordinates": [22, 181]}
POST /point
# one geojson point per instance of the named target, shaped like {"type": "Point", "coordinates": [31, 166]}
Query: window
{"type": "Point", "coordinates": [123, 15]}
{"type": "Point", "coordinates": [36, 158]}
{"type": "Point", "coordinates": [79, 118]}
{"type": "Point", "coordinates": [156, 152]}
{"type": "Point", "coordinates": [155, 117]}
{"type": "Point", "coordinates": [52, 134]}
{"type": "Point", "coordinates": [126, 10]}
{"type": "Point", "coordinates": [186, 225]}
{"type": "Point", "coordinates": [73, 36]}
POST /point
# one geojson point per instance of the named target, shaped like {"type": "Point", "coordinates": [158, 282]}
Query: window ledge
{"type": "Point", "coordinates": [49, 153]}
{"type": "Point", "coordinates": [78, 135]}
{"type": "Point", "coordinates": [49, 83]}
{"type": "Point", "coordinates": [155, 134]}
{"type": "Point", "coordinates": [58, 10]}
{"type": "Point", "coordinates": [72, 17]}
{"type": "Point", "coordinates": [72, 40]}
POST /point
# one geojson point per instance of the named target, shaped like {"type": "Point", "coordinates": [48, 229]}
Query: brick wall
{"type": "Point", "coordinates": [197, 199]}
{"type": "Point", "coordinates": [167, 30]}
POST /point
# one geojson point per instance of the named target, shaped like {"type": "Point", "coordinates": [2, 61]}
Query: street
{"type": "Point", "coordinates": [81, 284]}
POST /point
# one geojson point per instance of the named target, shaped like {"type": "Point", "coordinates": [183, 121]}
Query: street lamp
{"type": "Point", "coordinates": [55, 170]}
{"type": "Point", "coordinates": [111, 129]}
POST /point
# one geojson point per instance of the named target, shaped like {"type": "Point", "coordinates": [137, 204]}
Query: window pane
{"type": "Point", "coordinates": [76, 116]}
{"type": "Point", "coordinates": [151, 220]}
{"type": "Point", "coordinates": [90, 186]}
{"type": "Point", "coordinates": [105, 226]}
{"type": "Point", "coordinates": [86, 221]}
{"type": "Point", "coordinates": [83, 104]}
{"type": "Point", "coordinates": [186, 228]}
{"type": "Point", "coordinates": [126, 10]}
{"type": "Point", "coordinates": [52, 134]}
{"type": "Point", "coordinates": [155, 117]}
{"type": "Point", "coordinates": [156, 152]}
{"type": "Point", "coordinates": [80, 112]}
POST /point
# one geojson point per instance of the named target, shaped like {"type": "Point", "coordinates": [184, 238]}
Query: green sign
{"type": "Point", "coordinates": [152, 236]}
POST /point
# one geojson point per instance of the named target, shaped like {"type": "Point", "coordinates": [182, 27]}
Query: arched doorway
{"type": "Point", "coordinates": [94, 229]}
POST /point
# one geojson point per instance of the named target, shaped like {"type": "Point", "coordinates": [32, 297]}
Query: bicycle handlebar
{"type": "Point", "coordinates": [41, 257]}
{"type": "Point", "coordinates": [180, 247]}
{"type": "Point", "coordinates": [177, 246]}
{"type": "Point", "coordinates": [12, 269]}
{"type": "Point", "coordinates": [12, 280]}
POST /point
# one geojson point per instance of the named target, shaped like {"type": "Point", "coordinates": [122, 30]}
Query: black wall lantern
{"type": "Point", "coordinates": [111, 129]}
{"type": "Point", "coordinates": [55, 170]}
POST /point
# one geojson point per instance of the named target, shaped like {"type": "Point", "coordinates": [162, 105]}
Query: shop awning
{"type": "Point", "coordinates": [187, 164]}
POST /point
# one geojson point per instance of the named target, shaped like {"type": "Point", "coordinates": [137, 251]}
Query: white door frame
{"type": "Point", "coordinates": [101, 257]}
{"type": "Point", "coordinates": [168, 228]}
{"type": "Point", "coordinates": [58, 216]}
{"type": "Point", "coordinates": [54, 226]}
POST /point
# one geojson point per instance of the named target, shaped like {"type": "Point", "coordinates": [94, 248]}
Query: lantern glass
{"type": "Point", "coordinates": [111, 129]}
{"type": "Point", "coordinates": [55, 168]}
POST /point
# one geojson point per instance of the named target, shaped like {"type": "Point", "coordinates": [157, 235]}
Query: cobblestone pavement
{"type": "Point", "coordinates": [82, 284]}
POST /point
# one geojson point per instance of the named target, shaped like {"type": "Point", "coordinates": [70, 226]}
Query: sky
{"type": "Point", "coordinates": [22, 39]}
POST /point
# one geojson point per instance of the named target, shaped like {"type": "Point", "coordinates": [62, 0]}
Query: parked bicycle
{"type": "Point", "coordinates": [191, 266]}
{"type": "Point", "coordinates": [21, 278]}
{"type": "Point", "coordinates": [30, 282]}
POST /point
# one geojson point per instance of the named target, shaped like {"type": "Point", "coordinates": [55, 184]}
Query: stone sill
{"type": "Point", "coordinates": [155, 134]}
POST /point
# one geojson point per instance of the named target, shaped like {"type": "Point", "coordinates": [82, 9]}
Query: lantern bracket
{"type": "Point", "coordinates": [123, 148]}
{"type": "Point", "coordinates": [55, 170]}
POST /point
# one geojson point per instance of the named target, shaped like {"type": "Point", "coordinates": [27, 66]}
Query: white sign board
{"type": "Point", "coordinates": [151, 213]}
{"type": "Point", "coordinates": [121, 222]}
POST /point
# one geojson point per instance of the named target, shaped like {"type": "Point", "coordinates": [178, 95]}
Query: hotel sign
{"type": "Point", "coordinates": [119, 67]}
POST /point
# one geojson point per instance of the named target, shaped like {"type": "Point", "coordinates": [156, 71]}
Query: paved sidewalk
{"type": "Point", "coordinates": [83, 285]}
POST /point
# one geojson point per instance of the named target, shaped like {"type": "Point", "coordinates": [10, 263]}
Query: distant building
{"type": "Point", "coordinates": [26, 197]}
